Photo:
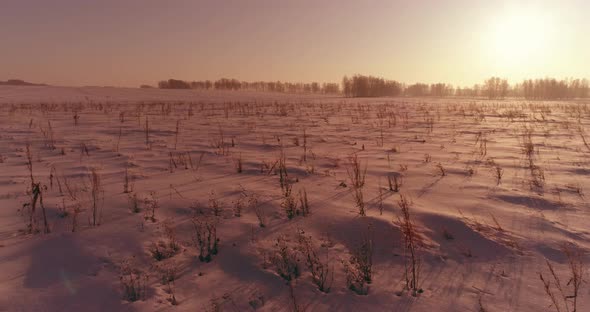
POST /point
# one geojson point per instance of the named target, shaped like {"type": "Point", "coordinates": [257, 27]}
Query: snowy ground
{"type": "Point", "coordinates": [483, 239]}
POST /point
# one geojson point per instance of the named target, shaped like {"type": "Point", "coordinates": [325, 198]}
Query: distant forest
{"type": "Point", "coordinates": [18, 82]}
{"type": "Point", "coordinates": [371, 86]}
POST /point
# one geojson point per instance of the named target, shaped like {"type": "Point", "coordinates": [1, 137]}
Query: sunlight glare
{"type": "Point", "coordinates": [521, 38]}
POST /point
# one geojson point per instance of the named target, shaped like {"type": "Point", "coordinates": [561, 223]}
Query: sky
{"type": "Point", "coordinates": [133, 42]}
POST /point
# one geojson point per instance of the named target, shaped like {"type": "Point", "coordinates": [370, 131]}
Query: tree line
{"type": "Point", "coordinates": [371, 86]}
{"type": "Point", "coordinates": [537, 89]}
{"type": "Point", "coordinates": [492, 88]}
{"type": "Point", "coordinates": [18, 82]}
{"type": "Point", "coordinates": [234, 84]}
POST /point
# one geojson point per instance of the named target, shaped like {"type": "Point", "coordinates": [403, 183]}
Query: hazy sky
{"type": "Point", "coordinates": [130, 42]}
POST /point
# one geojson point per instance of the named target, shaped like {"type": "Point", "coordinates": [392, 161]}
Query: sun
{"type": "Point", "coordinates": [521, 38]}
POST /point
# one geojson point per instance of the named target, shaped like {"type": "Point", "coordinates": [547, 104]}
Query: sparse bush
{"type": "Point", "coordinates": [176, 132]}
{"type": "Point", "coordinates": [412, 242]}
{"type": "Point", "coordinates": [395, 182]}
{"type": "Point", "coordinates": [289, 203]}
{"type": "Point", "coordinates": [168, 273]}
{"type": "Point", "coordinates": [285, 260]}
{"type": "Point", "coordinates": [220, 144]}
{"type": "Point", "coordinates": [76, 209]}
{"type": "Point", "coordinates": [170, 233]}
{"type": "Point", "coordinates": [322, 274]}
{"type": "Point", "coordinates": [498, 171]}
{"type": "Point", "coordinates": [498, 226]}
{"type": "Point", "coordinates": [133, 281]}
{"type": "Point", "coordinates": [36, 196]}
{"type": "Point", "coordinates": [304, 204]}
{"type": "Point", "coordinates": [360, 202]}
{"type": "Point", "coordinates": [441, 170]}
{"type": "Point", "coordinates": [356, 174]}
{"type": "Point", "coordinates": [359, 268]}
{"type": "Point", "coordinates": [528, 149]}
{"type": "Point", "coordinates": [239, 205]}
{"type": "Point", "coordinates": [133, 202]}
{"type": "Point", "coordinates": [260, 214]}
{"type": "Point", "coordinates": [165, 249]}
{"type": "Point", "coordinates": [304, 145]}
{"type": "Point", "coordinates": [147, 133]}
{"type": "Point", "coordinates": [150, 205]}
{"type": "Point", "coordinates": [76, 118]}
{"type": "Point", "coordinates": [238, 163]}
{"type": "Point", "coordinates": [161, 250]}
{"type": "Point", "coordinates": [62, 211]}
{"type": "Point", "coordinates": [380, 199]}
{"type": "Point", "coordinates": [205, 230]}
{"type": "Point", "coordinates": [481, 142]}
{"type": "Point", "coordinates": [127, 185]}
{"type": "Point", "coordinates": [282, 171]}
{"type": "Point", "coordinates": [296, 306]}
{"type": "Point", "coordinates": [214, 204]}
{"type": "Point", "coordinates": [97, 197]}
{"type": "Point", "coordinates": [171, 295]}
{"type": "Point", "coordinates": [48, 135]}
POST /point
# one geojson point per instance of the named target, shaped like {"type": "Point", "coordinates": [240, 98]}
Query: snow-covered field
{"type": "Point", "coordinates": [496, 190]}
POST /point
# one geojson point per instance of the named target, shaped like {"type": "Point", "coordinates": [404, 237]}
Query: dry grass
{"type": "Point", "coordinates": [36, 197]}
{"type": "Point", "coordinates": [564, 297]}
{"type": "Point", "coordinates": [303, 203]}
{"type": "Point", "coordinates": [133, 281]}
{"type": "Point", "coordinates": [97, 197]}
{"type": "Point", "coordinates": [359, 269]}
{"type": "Point", "coordinates": [412, 243]}
{"type": "Point", "coordinates": [291, 256]}
{"type": "Point", "coordinates": [356, 174]}
{"type": "Point", "coordinates": [394, 181]}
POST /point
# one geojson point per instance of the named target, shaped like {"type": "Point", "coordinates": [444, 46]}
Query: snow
{"type": "Point", "coordinates": [502, 233]}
